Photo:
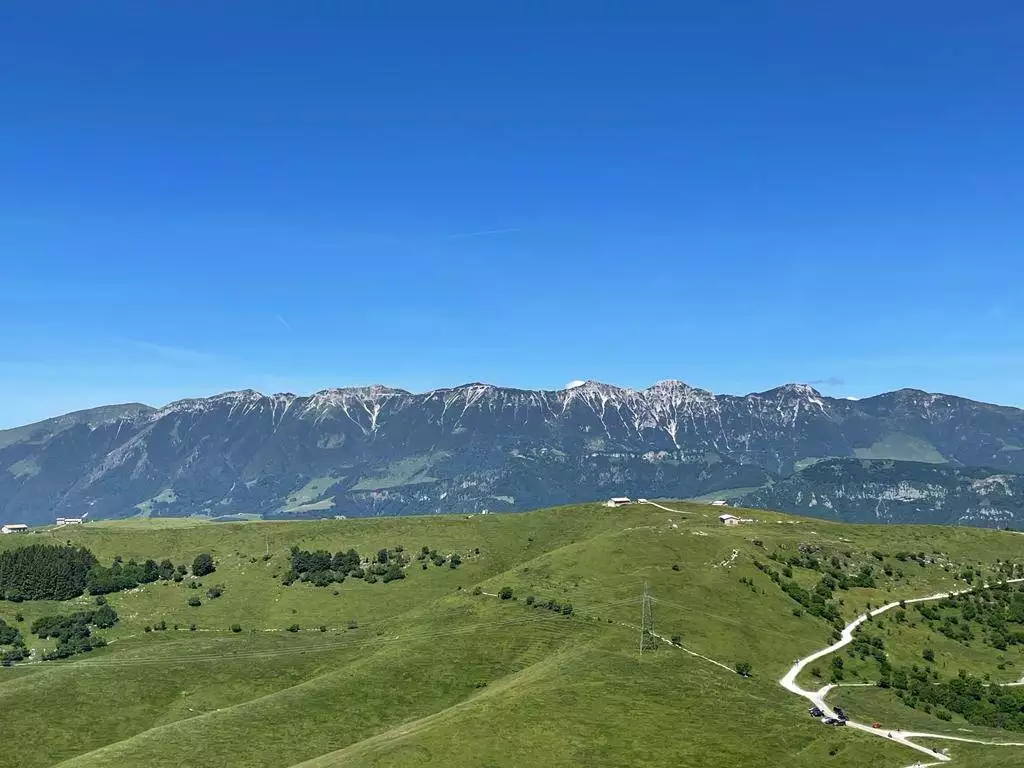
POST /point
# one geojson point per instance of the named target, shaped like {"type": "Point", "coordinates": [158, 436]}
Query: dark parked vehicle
{"type": "Point", "coordinates": [815, 712]}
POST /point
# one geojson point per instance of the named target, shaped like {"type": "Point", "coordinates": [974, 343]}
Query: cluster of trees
{"type": "Point", "coordinates": [979, 702]}
{"type": "Point", "coordinates": [52, 572]}
{"type": "Point", "coordinates": [321, 568]}
{"type": "Point", "coordinates": [426, 553]}
{"type": "Point", "coordinates": [121, 575]}
{"type": "Point", "coordinates": [817, 602]}
{"type": "Point", "coordinates": [11, 636]}
{"type": "Point", "coordinates": [997, 613]}
{"type": "Point", "coordinates": [73, 632]}
{"type": "Point", "coordinates": [551, 605]}
{"type": "Point", "coordinates": [44, 572]}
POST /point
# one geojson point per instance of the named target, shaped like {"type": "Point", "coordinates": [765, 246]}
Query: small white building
{"type": "Point", "coordinates": [728, 519]}
{"type": "Point", "coordinates": [14, 528]}
{"type": "Point", "coordinates": [70, 521]}
{"type": "Point", "coordinates": [719, 503]}
{"type": "Point", "coordinates": [617, 501]}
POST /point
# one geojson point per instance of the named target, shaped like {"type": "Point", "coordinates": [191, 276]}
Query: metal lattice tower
{"type": "Point", "coordinates": [647, 641]}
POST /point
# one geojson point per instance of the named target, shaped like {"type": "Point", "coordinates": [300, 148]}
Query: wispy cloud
{"type": "Point", "coordinates": [175, 354]}
{"type": "Point", "coordinates": [483, 233]}
{"type": "Point", "coordinates": [831, 381]}
{"type": "Point", "coordinates": [283, 322]}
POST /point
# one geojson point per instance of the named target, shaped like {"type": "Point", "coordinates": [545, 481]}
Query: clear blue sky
{"type": "Point", "coordinates": [205, 196]}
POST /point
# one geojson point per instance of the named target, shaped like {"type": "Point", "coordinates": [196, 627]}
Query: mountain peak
{"type": "Point", "coordinates": [791, 390]}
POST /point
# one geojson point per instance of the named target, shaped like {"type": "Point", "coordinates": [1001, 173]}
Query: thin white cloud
{"type": "Point", "coordinates": [575, 383]}
{"type": "Point", "coordinates": [483, 233]}
{"type": "Point", "coordinates": [175, 354]}
{"type": "Point", "coordinates": [283, 322]}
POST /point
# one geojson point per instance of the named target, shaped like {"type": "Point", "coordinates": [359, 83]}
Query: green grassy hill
{"type": "Point", "coordinates": [437, 669]}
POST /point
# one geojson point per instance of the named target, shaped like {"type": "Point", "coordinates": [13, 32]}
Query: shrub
{"type": "Point", "coordinates": [195, 602]}
{"type": "Point", "coordinates": [743, 668]}
{"type": "Point", "coordinates": [236, 628]}
{"type": "Point", "coordinates": [677, 640]}
{"type": "Point", "coordinates": [675, 566]}
{"type": "Point", "coordinates": [203, 564]}
{"type": "Point", "coordinates": [928, 654]}
{"type": "Point", "coordinates": [147, 628]}
{"type": "Point", "coordinates": [19, 616]}
{"type": "Point", "coordinates": [506, 593]}
{"type": "Point", "coordinates": [530, 599]}
{"type": "Point", "coordinates": [323, 628]}
{"type": "Point", "coordinates": [214, 592]}
{"type": "Point", "coordinates": [816, 671]}
{"type": "Point", "coordinates": [476, 590]}
{"type": "Point", "coordinates": [567, 609]}
{"type": "Point", "coordinates": [293, 628]}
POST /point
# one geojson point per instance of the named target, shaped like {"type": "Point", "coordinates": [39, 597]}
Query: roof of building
{"type": "Point", "coordinates": [620, 499]}
{"type": "Point", "coordinates": [727, 516]}
{"type": "Point", "coordinates": [15, 525]}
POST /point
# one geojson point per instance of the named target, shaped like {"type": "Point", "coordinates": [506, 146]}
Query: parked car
{"type": "Point", "coordinates": [815, 712]}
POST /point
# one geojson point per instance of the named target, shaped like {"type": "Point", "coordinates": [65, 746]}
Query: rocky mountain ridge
{"type": "Point", "coordinates": [380, 450]}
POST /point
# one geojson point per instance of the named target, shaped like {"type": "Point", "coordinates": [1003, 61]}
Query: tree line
{"type": "Point", "coordinates": [44, 572]}
{"type": "Point", "coordinates": [979, 702]}
{"type": "Point", "coordinates": [56, 572]}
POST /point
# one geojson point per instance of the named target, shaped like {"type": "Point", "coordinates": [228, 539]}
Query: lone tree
{"type": "Point", "coordinates": [203, 565]}
{"type": "Point", "coordinates": [743, 668]}
{"type": "Point", "coordinates": [506, 593]}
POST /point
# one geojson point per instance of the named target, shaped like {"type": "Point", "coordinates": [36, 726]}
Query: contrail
{"type": "Point", "coordinates": [283, 322]}
{"type": "Point", "coordinates": [483, 233]}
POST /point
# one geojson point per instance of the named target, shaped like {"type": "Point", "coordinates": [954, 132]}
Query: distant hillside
{"type": "Point", "coordinates": [863, 491]}
{"type": "Point", "coordinates": [379, 451]}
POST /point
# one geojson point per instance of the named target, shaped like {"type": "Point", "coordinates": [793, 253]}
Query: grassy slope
{"type": "Point", "coordinates": [406, 687]}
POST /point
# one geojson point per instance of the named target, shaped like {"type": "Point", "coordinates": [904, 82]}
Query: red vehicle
{"type": "Point", "coordinates": [876, 725]}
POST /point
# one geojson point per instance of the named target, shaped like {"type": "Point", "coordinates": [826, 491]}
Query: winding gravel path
{"type": "Point", "coordinates": [902, 737]}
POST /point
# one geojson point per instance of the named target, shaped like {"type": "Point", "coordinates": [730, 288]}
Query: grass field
{"type": "Point", "coordinates": [422, 671]}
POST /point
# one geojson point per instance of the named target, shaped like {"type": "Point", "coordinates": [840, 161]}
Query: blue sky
{"type": "Point", "coordinates": [205, 196]}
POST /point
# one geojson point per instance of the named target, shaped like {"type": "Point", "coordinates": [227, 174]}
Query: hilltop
{"type": "Point", "coordinates": [370, 451]}
{"type": "Point", "coordinates": [435, 667]}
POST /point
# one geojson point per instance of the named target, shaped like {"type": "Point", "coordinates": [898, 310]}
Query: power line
{"type": "Point", "coordinates": [647, 640]}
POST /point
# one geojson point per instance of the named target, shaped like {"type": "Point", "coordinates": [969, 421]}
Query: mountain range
{"type": "Point", "coordinates": [899, 456]}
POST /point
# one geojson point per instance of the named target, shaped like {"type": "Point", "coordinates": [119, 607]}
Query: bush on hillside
{"type": "Point", "coordinates": [203, 565]}
{"type": "Point", "coordinates": [743, 668]}
{"type": "Point", "coordinates": [505, 593]}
